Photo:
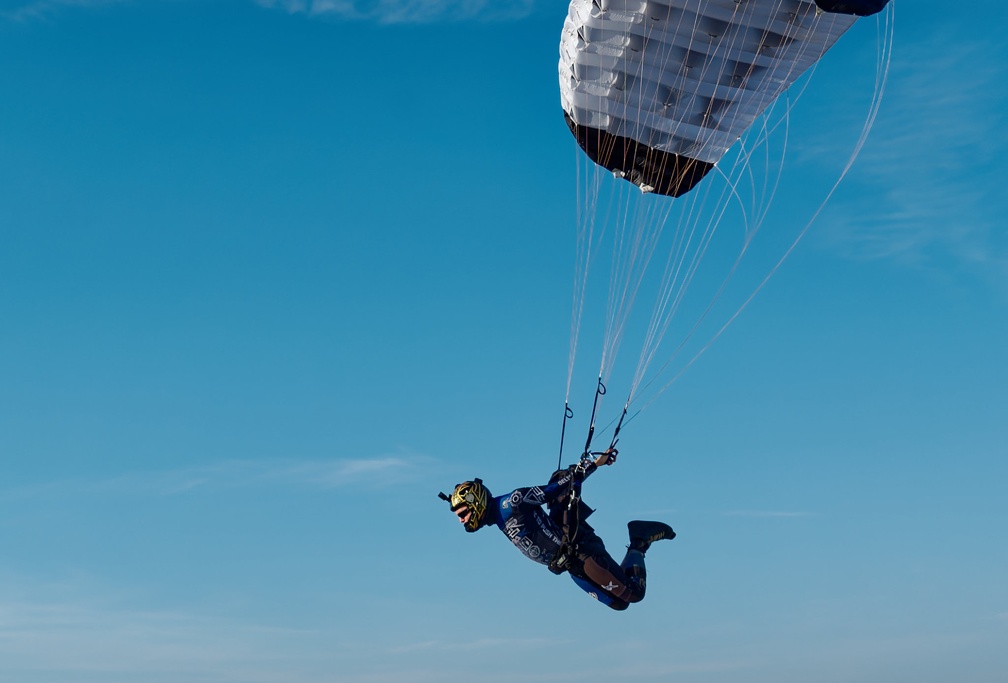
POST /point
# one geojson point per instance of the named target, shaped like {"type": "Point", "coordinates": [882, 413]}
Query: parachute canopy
{"type": "Point", "coordinates": [658, 90]}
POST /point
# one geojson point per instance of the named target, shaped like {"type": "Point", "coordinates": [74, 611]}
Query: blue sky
{"type": "Point", "coordinates": [272, 274]}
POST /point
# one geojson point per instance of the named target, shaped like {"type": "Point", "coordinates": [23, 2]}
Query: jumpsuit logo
{"type": "Point", "coordinates": [513, 530]}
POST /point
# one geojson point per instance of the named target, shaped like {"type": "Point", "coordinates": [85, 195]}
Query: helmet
{"type": "Point", "coordinates": [473, 495]}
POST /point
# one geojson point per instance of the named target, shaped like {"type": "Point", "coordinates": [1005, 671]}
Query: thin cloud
{"type": "Point", "coordinates": [100, 635]}
{"type": "Point", "coordinates": [95, 639]}
{"type": "Point", "coordinates": [766, 513]}
{"type": "Point", "coordinates": [406, 11]}
{"type": "Point", "coordinates": [34, 10]}
{"type": "Point", "coordinates": [231, 474]}
{"type": "Point", "coordinates": [380, 11]}
{"type": "Point", "coordinates": [657, 513]}
{"type": "Point", "coordinates": [495, 644]}
{"type": "Point", "coordinates": [936, 152]}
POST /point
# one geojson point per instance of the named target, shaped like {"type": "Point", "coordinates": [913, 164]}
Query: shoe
{"type": "Point", "coordinates": [643, 534]}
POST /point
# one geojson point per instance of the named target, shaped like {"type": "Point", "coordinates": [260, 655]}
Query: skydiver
{"type": "Point", "coordinates": [560, 538]}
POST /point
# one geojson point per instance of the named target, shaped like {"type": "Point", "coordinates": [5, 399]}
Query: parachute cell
{"type": "Point", "coordinates": [657, 91]}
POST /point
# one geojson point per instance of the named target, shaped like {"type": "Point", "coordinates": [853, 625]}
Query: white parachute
{"type": "Point", "coordinates": [689, 101]}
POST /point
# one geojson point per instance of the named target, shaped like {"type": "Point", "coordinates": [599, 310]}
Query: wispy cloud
{"type": "Point", "coordinates": [765, 513]}
{"type": "Point", "coordinates": [937, 155]}
{"type": "Point", "coordinates": [97, 640]}
{"type": "Point", "coordinates": [381, 11]}
{"type": "Point", "coordinates": [495, 644]}
{"type": "Point", "coordinates": [230, 474]}
{"type": "Point", "coordinates": [102, 634]}
{"type": "Point", "coordinates": [32, 10]}
{"type": "Point", "coordinates": [407, 11]}
{"type": "Point", "coordinates": [95, 636]}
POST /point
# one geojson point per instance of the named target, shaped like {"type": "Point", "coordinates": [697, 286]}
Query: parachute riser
{"type": "Point", "coordinates": [619, 426]}
{"type": "Point", "coordinates": [568, 414]}
{"type": "Point", "coordinates": [599, 392]}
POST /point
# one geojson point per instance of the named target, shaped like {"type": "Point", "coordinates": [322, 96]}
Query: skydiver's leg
{"type": "Point", "coordinates": [617, 585]}
{"type": "Point", "coordinates": [642, 535]}
{"type": "Point", "coordinates": [600, 595]}
{"type": "Point", "coordinates": [622, 584]}
{"type": "Point", "coordinates": [633, 566]}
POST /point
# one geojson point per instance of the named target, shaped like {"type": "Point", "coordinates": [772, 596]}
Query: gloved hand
{"type": "Point", "coordinates": [607, 457]}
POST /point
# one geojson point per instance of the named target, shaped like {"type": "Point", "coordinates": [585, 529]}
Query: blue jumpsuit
{"type": "Point", "coordinates": [538, 534]}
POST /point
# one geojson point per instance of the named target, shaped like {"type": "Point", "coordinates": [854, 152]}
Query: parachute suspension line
{"type": "Point", "coordinates": [679, 267]}
{"type": "Point", "coordinates": [761, 201]}
{"type": "Point", "coordinates": [588, 191]}
{"type": "Point", "coordinates": [634, 243]}
{"type": "Point", "coordinates": [706, 117]}
{"type": "Point", "coordinates": [760, 205]}
{"type": "Point", "coordinates": [886, 37]}
{"type": "Point", "coordinates": [886, 29]}
{"type": "Point", "coordinates": [759, 208]}
{"type": "Point", "coordinates": [767, 198]}
{"type": "Point", "coordinates": [645, 363]}
{"type": "Point", "coordinates": [588, 182]}
{"type": "Point", "coordinates": [676, 280]}
{"type": "Point", "coordinates": [768, 130]}
{"type": "Point", "coordinates": [637, 237]}
{"type": "Point", "coordinates": [670, 283]}
{"type": "Point", "coordinates": [584, 230]}
{"type": "Point", "coordinates": [678, 274]}
{"type": "Point", "coordinates": [613, 295]}
{"type": "Point", "coordinates": [646, 117]}
{"type": "Point", "coordinates": [635, 248]}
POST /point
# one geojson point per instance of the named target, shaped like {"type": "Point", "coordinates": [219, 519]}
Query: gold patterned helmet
{"type": "Point", "coordinates": [473, 496]}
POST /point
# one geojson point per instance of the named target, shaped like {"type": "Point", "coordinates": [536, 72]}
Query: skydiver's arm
{"type": "Point", "coordinates": [539, 495]}
{"type": "Point", "coordinates": [548, 494]}
{"type": "Point", "coordinates": [577, 473]}
{"type": "Point", "coordinates": [606, 457]}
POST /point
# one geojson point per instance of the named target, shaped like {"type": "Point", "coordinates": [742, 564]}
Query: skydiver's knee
{"type": "Point", "coordinates": [636, 592]}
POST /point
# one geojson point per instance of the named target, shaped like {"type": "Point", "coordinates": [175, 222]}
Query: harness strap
{"type": "Point", "coordinates": [571, 524]}
{"type": "Point", "coordinates": [569, 547]}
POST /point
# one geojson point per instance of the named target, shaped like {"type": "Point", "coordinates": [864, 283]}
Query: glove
{"type": "Point", "coordinates": [607, 457]}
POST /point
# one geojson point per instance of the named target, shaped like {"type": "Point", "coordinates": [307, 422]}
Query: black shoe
{"type": "Point", "coordinates": [643, 534]}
